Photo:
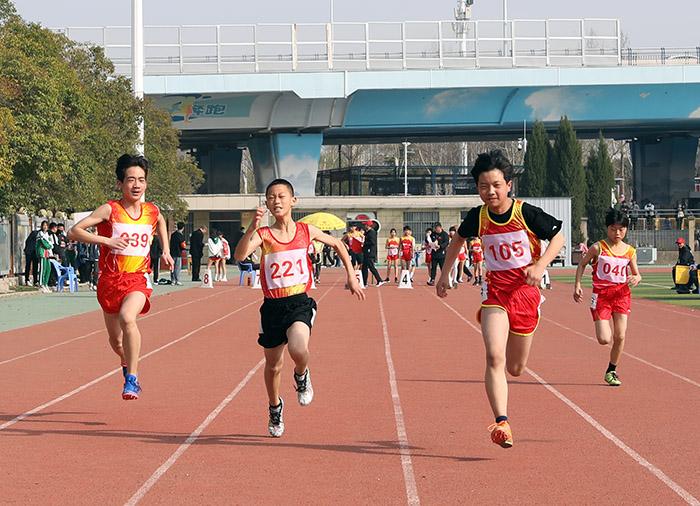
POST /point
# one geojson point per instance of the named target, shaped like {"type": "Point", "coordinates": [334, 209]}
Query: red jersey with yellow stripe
{"type": "Point", "coordinates": [392, 247]}
{"type": "Point", "coordinates": [508, 248]}
{"type": "Point", "coordinates": [135, 258]}
{"type": "Point", "coordinates": [610, 269]}
{"type": "Point", "coordinates": [285, 267]}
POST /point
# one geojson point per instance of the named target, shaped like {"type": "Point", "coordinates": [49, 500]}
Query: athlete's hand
{"type": "Point", "coordinates": [259, 213]}
{"type": "Point", "coordinates": [533, 274]}
{"type": "Point", "coordinates": [441, 287]}
{"type": "Point", "coordinates": [634, 280]}
{"type": "Point", "coordinates": [168, 260]}
{"type": "Point", "coordinates": [355, 288]}
{"type": "Point", "coordinates": [117, 243]}
{"type": "Point", "coordinates": [578, 293]}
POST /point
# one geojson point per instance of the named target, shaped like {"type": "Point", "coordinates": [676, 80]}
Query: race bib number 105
{"type": "Point", "coordinates": [509, 250]}
{"type": "Point", "coordinates": [138, 236]}
{"type": "Point", "coordinates": [286, 268]}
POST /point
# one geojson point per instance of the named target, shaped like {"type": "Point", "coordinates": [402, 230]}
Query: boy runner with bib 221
{"type": "Point", "coordinates": [125, 230]}
{"type": "Point", "coordinates": [510, 231]}
{"type": "Point", "coordinates": [287, 313]}
{"type": "Point", "coordinates": [614, 270]}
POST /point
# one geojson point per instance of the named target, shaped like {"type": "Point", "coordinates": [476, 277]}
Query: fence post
{"type": "Point", "coordinates": [619, 42]}
{"type": "Point", "coordinates": [440, 43]}
{"type": "Point", "coordinates": [179, 45]}
{"type": "Point", "coordinates": [255, 47]}
{"type": "Point", "coordinates": [403, 43]}
{"type": "Point", "coordinates": [367, 58]}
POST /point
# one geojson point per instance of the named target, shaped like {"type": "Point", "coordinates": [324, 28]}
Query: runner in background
{"type": "Point", "coordinates": [392, 255]}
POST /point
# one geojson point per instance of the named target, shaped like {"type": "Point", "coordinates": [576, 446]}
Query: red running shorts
{"type": "Point", "coordinates": [606, 301]}
{"type": "Point", "coordinates": [112, 288]}
{"type": "Point", "coordinates": [522, 305]}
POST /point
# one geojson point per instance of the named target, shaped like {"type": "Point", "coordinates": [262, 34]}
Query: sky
{"type": "Point", "coordinates": [673, 23]}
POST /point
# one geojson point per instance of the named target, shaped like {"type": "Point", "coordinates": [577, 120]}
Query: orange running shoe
{"type": "Point", "coordinates": [501, 434]}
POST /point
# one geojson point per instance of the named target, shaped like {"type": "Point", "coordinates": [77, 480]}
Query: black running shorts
{"type": "Point", "coordinates": [277, 315]}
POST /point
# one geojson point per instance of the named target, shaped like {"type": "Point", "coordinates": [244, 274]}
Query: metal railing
{"type": "Point", "coordinates": [284, 47]}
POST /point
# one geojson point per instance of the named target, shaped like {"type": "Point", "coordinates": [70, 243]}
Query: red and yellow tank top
{"type": "Point", "coordinates": [392, 246]}
{"type": "Point", "coordinates": [138, 231]}
{"type": "Point", "coordinates": [610, 269]}
{"type": "Point", "coordinates": [508, 248]}
{"type": "Point", "coordinates": [285, 267]}
{"type": "Point", "coordinates": [476, 245]}
{"type": "Point", "coordinates": [408, 244]}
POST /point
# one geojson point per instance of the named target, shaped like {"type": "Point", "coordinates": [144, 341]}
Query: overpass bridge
{"type": "Point", "coordinates": [283, 90]}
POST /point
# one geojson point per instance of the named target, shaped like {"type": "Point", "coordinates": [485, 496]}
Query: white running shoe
{"type": "Point", "coordinates": [275, 424]}
{"type": "Point", "coordinates": [305, 391]}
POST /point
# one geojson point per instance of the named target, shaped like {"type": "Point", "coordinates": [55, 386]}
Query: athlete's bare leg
{"type": "Point", "coordinates": [620, 325]}
{"type": "Point", "coordinates": [274, 360]}
{"type": "Point", "coordinates": [603, 331]}
{"type": "Point", "coordinates": [131, 307]}
{"type": "Point", "coordinates": [298, 336]}
{"type": "Point", "coordinates": [114, 331]}
{"type": "Point", "coordinates": [494, 329]}
{"type": "Point", "coordinates": [517, 353]}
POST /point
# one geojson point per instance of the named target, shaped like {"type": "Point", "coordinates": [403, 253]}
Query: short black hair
{"type": "Point", "coordinates": [616, 217]}
{"type": "Point", "coordinates": [52, 224]}
{"type": "Point", "coordinates": [61, 225]}
{"type": "Point", "coordinates": [494, 159]}
{"type": "Point", "coordinates": [125, 161]}
{"type": "Point", "coordinates": [407, 228]}
{"type": "Point", "coordinates": [453, 229]}
{"type": "Point", "coordinates": [392, 230]}
{"type": "Point", "coordinates": [180, 225]}
{"type": "Point", "coordinates": [280, 181]}
{"type": "Point", "coordinates": [437, 224]}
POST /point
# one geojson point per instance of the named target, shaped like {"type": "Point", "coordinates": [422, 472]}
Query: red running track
{"type": "Point", "coordinates": [400, 413]}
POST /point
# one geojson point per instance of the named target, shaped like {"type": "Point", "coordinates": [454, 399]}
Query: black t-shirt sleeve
{"type": "Point", "coordinates": [470, 225]}
{"type": "Point", "coordinates": [545, 226]}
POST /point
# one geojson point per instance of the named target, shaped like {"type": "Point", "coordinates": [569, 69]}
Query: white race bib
{"type": "Point", "coordinates": [138, 235]}
{"type": "Point", "coordinates": [612, 269]}
{"type": "Point", "coordinates": [393, 250]}
{"type": "Point", "coordinates": [286, 268]}
{"type": "Point", "coordinates": [509, 250]}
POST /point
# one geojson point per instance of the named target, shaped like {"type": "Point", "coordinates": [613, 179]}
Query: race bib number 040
{"type": "Point", "coordinates": [138, 235]}
{"type": "Point", "coordinates": [506, 251]}
{"type": "Point", "coordinates": [286, 268]}
{"type": "Point", "coordinates": [613, 269]}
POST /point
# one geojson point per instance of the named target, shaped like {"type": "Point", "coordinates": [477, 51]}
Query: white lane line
{"type": "Point", "coordinates": [84, 336]}
{"type": "Point", "coordinates": [639, 359]}
{"type": "Point", "coordinates": [405, 450]}
{"type": "Point", "coordinates": [24, 415]}
{"type": "Point", "coordinates": [141, 492]}
{"type": "Point", "coordinates": [684, 494]}
{"type": "Point", "coordinates": [158, 474]}
{"type": "Point", "coordinates": [680, 491]}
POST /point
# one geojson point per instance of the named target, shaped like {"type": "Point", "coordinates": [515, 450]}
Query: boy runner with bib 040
{"type": "Point", "coordinates": [510, 310]}
{"type": "Point", "coordinates": [613, 260]}
{"type": "Point", "coordinates": [287, 313]}
{"type": "Point", "coordinates": [125, 230]}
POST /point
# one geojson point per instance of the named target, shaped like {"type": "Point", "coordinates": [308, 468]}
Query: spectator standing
{"type": "Point", "coordinates": [177, 246]}
{"type": "Point", "coordinates": [31, 260]}
{"type": "Point", "coordinates": [197, 251]}
{"type": "Point", "coordinates": [44, 251]}
{"type": "Point", "coordinates": [61, 244]}
{"type": "Point", "coordinates": [369, 253]}
{"type": "Point", "coordinates": [650, 213]}
{"type": "Point", "coordinates": [156, 252]}
{"type": "Point", "coordinates": [680, 214]}
{"type": "Point", "coordinates": [441, 239]}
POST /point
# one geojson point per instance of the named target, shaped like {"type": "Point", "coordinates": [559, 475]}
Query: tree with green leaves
{"type": "Point", "coordinates": [566, 176]}
{"type": "Point", "coordinates": [600, 179]}
{"type": "Point", "coordinates": [532, 182]}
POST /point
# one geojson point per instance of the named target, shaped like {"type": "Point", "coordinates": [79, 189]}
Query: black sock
{"type": "Point", "coordinates": [500, 419]}
{"type": "Point", "coordinates": [611, 367]}
{"type": "Point", "coordinates": [278, 407]}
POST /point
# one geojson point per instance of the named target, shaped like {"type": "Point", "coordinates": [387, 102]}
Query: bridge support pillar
{"type": "Point", "coordinates": [294, 157]}
{"type": "Point", "coordinates": [664, 168]}
{"type": "Point", "coordinates": [222, 169]}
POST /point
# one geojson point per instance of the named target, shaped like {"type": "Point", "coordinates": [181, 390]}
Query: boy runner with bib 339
{"type": "Point", "coordinates": [287, 313]}
{"type": "Point", "coordinates": [125, 230]}
{"type": "Point", "coordinates": [613, 261]}
{"type": "Point", "coordinates": [510, 231]}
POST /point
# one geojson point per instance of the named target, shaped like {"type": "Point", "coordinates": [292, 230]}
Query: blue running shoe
{"type": "Point", "coordinates": [132, 389]}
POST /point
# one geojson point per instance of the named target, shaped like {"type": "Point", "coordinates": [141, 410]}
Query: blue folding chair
{"type": "Point", "coordinates": [246, 269]}
{"type": "Point", "coordinates": [65, 274]}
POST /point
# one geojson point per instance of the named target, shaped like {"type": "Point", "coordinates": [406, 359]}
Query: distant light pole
{"type": "Point", "coordinates": [137, 62]}
{"type": "Point", "coordinates": [405, 167]}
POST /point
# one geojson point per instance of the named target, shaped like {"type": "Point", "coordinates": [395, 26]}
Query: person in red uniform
{"type": "Point", "coordinates": [614, 270]}
{"type": "Point", "coordinates": [510, 231]}
{"type": "Point", "coordinates": [125, 230]}
{"type": "Point", "coordinates": [408, 249]}
{"type": "Point", "coordinates": [392, 255]}
{"type": "Point", "coordinates": [287, 313]}
{"type": "Point", "coordinates": [477, 259]}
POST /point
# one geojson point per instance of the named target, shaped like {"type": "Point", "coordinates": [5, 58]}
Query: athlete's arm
{"type": "Point", "coordinates": [534, 272]}
{"type": "Point", "coordinates": [452, 253]}
{"type": "Point", "coordinates": [79, 233]}
{"type": "Point", "coordinates": [251, 240]}
{"type": "Point", "coordinates": [162, 234]}
{"type": "Point", "coordinates": [636, 277]}
{"type": "Point", "coordinates": [317, 235]}
{"type": "Point", "coordinates": [591, 254]}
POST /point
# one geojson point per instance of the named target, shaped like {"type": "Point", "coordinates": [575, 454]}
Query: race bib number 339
{"type": "Point", "coordinates": [138, 236]}
{"type": "Point", "coordinates": [286, 268]}
{"type": "Point", "coordinates": [509, 250]}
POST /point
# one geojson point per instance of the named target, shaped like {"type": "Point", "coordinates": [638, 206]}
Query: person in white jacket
{"type": "Point", "coordinates": [215, 247]}
{"type": "Point", "coordinates": [223, 257]}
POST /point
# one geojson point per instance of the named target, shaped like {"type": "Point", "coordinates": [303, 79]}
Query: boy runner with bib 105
{"type": "Point", "coordinates": [125, 230]}
{"type": "Point", "coordinates": [287, 313]}
{"type": "Point", "coordinates": [510, 231]}
{"type": "Point", "coordinates": [613, 261]}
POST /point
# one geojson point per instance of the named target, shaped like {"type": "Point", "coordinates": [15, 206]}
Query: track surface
{"type": "Point", "coordinates": [400, 413]}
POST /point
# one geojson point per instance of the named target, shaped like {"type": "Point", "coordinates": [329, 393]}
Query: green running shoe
{"type": "Point", "coordinates": [612, 379]}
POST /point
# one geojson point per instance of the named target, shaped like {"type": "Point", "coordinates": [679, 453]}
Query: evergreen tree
{"type": "Point", "coordinates": [601, 179]}
{"type": "Point", "coordinates": [567, 177]}
{"type": "Point", "coordinates": [532, 182]}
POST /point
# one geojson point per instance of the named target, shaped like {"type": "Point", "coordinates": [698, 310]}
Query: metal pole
{"type": "Point", "coordinates": [505, 27]}
{"type": "Point", "coordinates": [137, 62]}
{"type": "Point", "coordinates": [331, 2]}
{"type": "Point", "coordinates": [405, 167]}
